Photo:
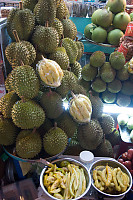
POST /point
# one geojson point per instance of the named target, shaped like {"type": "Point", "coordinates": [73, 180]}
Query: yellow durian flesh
{"type": "Point", "coordinates": [50, 72]}
{"type": "Point", "coordinates": [80, 108]}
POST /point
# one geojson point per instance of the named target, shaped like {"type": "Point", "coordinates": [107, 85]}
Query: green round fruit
{"type": "Point", "coordinates": [131, 16]}
{"type": "Point", "coordinates": [116, 6]}
{"type": "Point", "coordinates": [95, 16]}
{"type": "Point", "coordinates": [88, 30]}
{"type": "Point", "coordinates": [114, 36]}
{"type": "Point", "coordinates": [104, 18]}
{"type": "Point", "coordinates": [99, 34]}
{"type": "Point", "coordinates": [121, 20]}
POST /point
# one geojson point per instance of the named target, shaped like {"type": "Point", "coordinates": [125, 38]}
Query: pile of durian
{"type": "Point", "coordinates": [44, 55]}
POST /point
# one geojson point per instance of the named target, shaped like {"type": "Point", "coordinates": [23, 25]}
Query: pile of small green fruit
{"type": "Point", "coordinates": [108, 24]}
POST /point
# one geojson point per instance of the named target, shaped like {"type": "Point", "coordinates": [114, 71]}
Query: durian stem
{"type": "Point", "coordinates": [16, 36]}
{"type": "Point", "coordinates": [73, 95]}
{"type": "Point", "coordinates": [104, 138]}
{"type": "Point", "coordinates": [55, 125]}
{"type": "Point", "coordinates": [43, 58]}
{"type": "Point", "coordinates": [22, 64]}
{"type": "Point", "coordinates": [46, 24]}
{"type": "Point", "coordinates": [76, 39]}
{"type": "Point", "coordinates": [20, 5]}
{"type": "Point", "coordinates": [22, 98]}
{"type": "Point", "coordinates": [61, 42]}
{"type": "Point", "coordinates": [34, 130]}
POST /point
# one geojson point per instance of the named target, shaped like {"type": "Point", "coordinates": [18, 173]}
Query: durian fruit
{"type": "Point", "coordinates": [117, 60]}
{"type": "Point", "coordinates": [104, 149]}
{"type": "Point", "coordinates": [97, 59]}
{"type": "Point", "coordinates": [80, 108]}
{"type": "Point", "coordinates": [29, 4]}
{"type": "Point", "coordinates": [67, 124]}
{"type": "Point", "coordinates": [28, 144]}
{"type": "Point", "coordinates": [115, 86]}
{"type": "Point", "coordinates": [107, 123]}
{"type": "Point", "coordinates": [107, 73]}
{"type": "Point", "coordinates": [27, 114]}
{"type": "Point", "coordinates": [68, 83]}
{"type": "Point", "coordinates": [62, 10]}
{"type": "Point", "coordinates": [6, 103]}
{"type": "Point", "coordinates": [127, 88]}
{"type": "Point", "coordinates": [123, 100]}
{"type": "Point", "coordinates": [90, 135]}
{"type": "Point", "coordinates": [69, 29]}
{"type": "Point", "coordinates": [79, 89]}
{"type": "Point", "coordinates": [55, 141]}
{"type": "Point", "coordinates": [45, 39]}
{"type": "Point", "coordinates": [21, 20]}
{"type": "Point", "coordinates": [97, 106]}
{"type": "Point", "coordinates": [80, 46]}
{"type": "Point", "coordinates": [7, 83]}
{"type": "Point", "coordinates": [89, 72]}
{"type": "Point", "coordinates": [26, 82]}
{"type": "Point", "coordinates": [61, 57]}
{"type": "Point", "coordinates": [108, 97]}
{"type": "Point", "coordinates": [50, 72]}
{"type": "Point", "coordinates": [71, 49]}
{"type": "Point", "coordinates": [76, 69]}
{"type": "Point", "coordinates": [114, 137]}
{"type": "Point", "coordinates": [52, 103]}
{"type": "Point", "coordinates": [8, 131]}
{"type": "Point", "coordinates": [57, 24]}
{"type": "Point", "coordinates": [98, 85]}
{"type": "Point", "coordinates": [45, 11]}
{"type": "Point", "coordinates": [73, 148]}
{"type": "Point", "coordinates": [22, 52]}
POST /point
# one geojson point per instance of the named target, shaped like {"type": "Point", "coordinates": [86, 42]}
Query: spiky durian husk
{"type": "Point", "coordinates": [27, 114]}
{"type": "Point", "coordinates": [68, 83]}
{"type": "Point", "coordinates": [69, 29]}
{"type": "Point", "coordinates": [55, 141]}
{"type": "Point", "coordinates": [26, 82]}
{"type": "Point", "coordinates": [80, 46]}
{"type": "Point", "coordinates": [52, 103]}
{"type": "Point", "coordinates": [6, 103]}
{"type": "Point", "coordinates": [107, 123]}
{"type": "Point", "coordinates": [46, 39]}
{"type": "Point", "coordinates": [90, 135]}
{"type": "Point", "coordinates": [71, 49]}
{"type": "Point", "coordinates": [28, 144]}
{"type": "Point", "coordinates": [104, 149]}
{"type": "Point", "coordinates": [76, 69]}
{"type": "Point", "coordinates": [66, 123]}
{"type": "Point", "coordinates": [57, 24]}
{"type": "Point", "coordinates": [97, 106]}
{"type": "Point", "coordinates": [30, 4]}
{"type": "Point", "coordinates": [61, 58]}
{"type": "Point", "coordinates": [23, 21]}
{"type": "Point", "coordinates": [85, 84]}
{"type": "Point", "coordinates": [62, 10]}
{"type": "Point", "coordinates": [88, 72]}
{"type": "Point", "coordinates": [20, 52]}
{"type": "Point", "coordinates": [8, 86]}
{"type": "Point", "coordinates": [45, 10]}
{"type": "Point", "coordinates": [8, 131]}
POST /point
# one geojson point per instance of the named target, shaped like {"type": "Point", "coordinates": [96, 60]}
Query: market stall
{"type": "Point", "coordinates": [67, 71]}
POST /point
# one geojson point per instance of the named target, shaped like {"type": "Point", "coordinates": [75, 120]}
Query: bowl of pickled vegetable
{"type": "Point", "coordinates": [110, 178]}
{"type": "Point", "coordinates": [65, 178]}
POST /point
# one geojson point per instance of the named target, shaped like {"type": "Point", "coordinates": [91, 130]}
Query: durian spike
{"type": "Point", "coordinates": [43, 58]}
{"type": "Point", "coordinates": [20, 5]}
{"type": "Point", "coordinates": [16, 36]}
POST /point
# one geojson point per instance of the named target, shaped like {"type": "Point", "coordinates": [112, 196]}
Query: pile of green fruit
{"type": "Point", "coordinates": [108, 24]}
{"type": "Point", "coordinates": [33, 118]}
{"type": "Point", "coordinates": [111, 80]}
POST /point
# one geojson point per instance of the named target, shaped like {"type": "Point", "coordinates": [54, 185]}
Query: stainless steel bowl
{"type": "Point", "coordinates": [73, 161]}
{"type": "Point", "coordinates": [113, 163]}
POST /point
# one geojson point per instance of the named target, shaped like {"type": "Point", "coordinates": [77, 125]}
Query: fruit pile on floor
{"type": "Point", "coordinates": [44, 55]}
{"type": "Point", "coordinates": [108, 24]}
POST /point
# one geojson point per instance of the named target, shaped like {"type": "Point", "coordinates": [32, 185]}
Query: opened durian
{"type": "Point", "coordinates": [50, 72]}
{"type": "Point", "coordinates": [80, 108]}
